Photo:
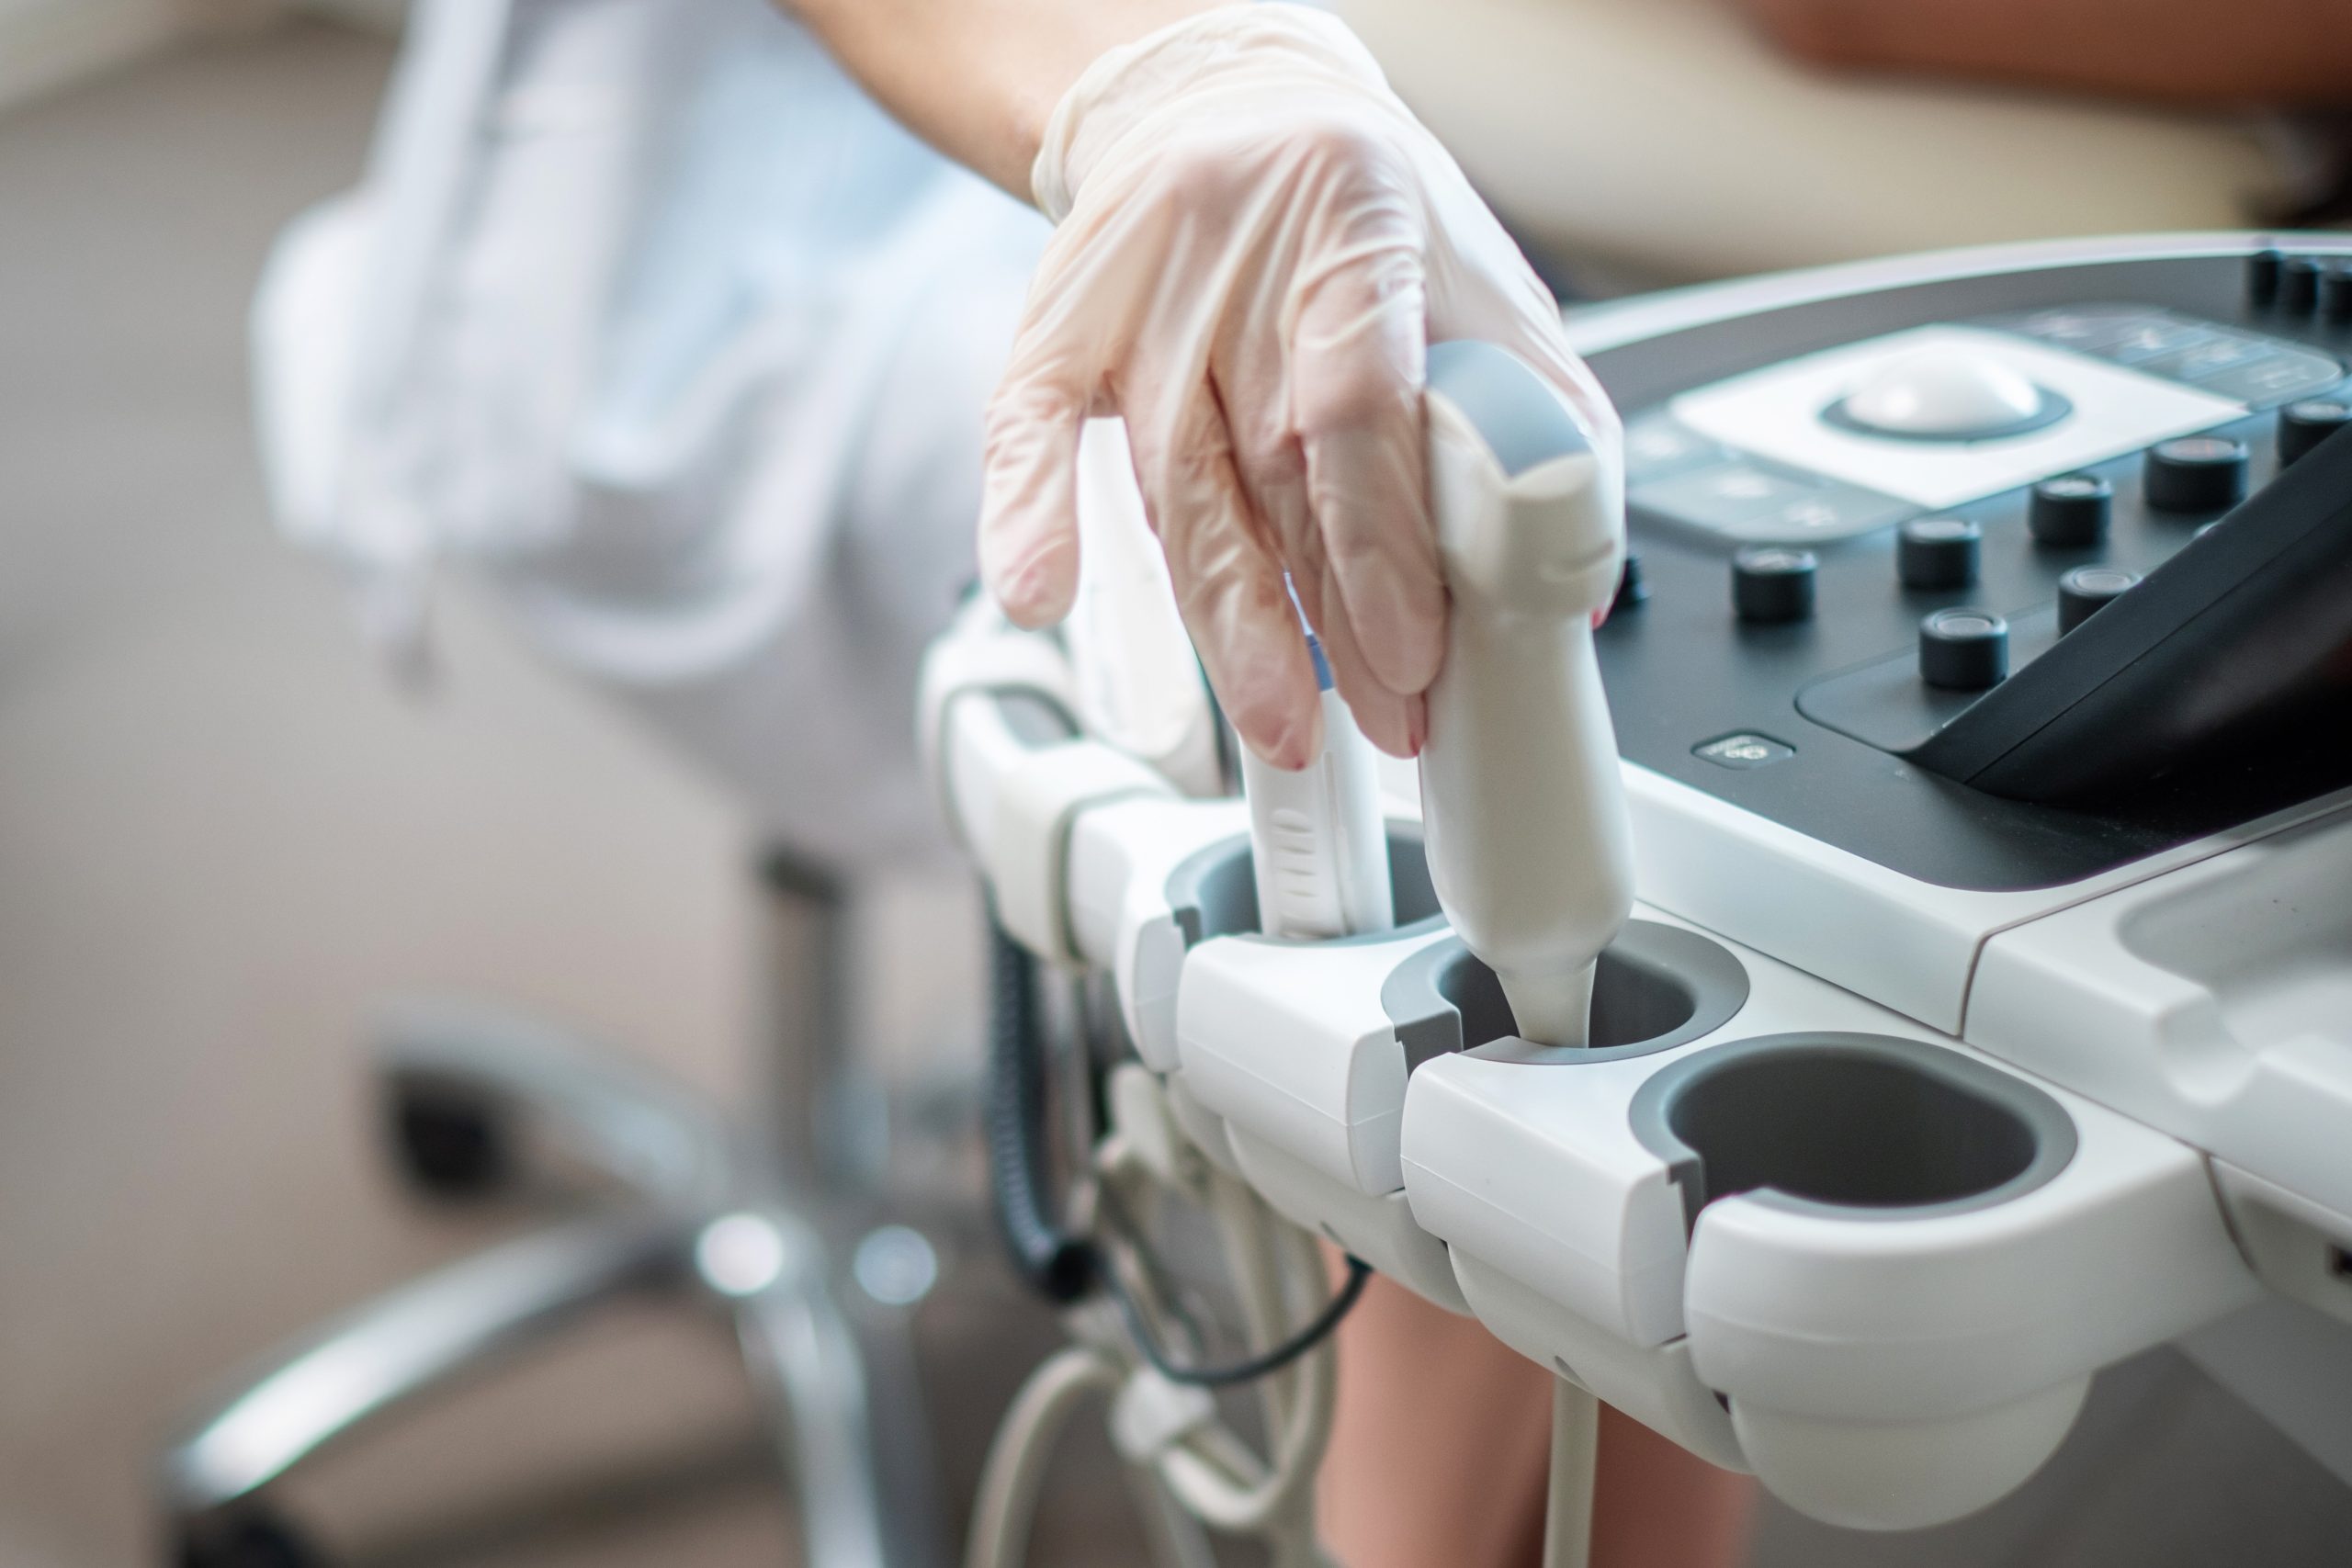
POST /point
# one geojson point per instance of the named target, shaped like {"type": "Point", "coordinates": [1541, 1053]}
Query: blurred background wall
{"type": "Point", "coordinates": [48, 43]}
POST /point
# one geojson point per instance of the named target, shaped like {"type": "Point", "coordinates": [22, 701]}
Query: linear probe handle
{"type": "Point", "coordinates": [1523, 808]}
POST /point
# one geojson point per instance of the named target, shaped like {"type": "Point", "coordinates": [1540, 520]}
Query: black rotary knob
{"type": "Point", "coordinates": [1769, 584]}
{"type": "Point", "coordinates": [2196, 473]}
{"type": "Point", "coordinates": [2299, 285]}
{"type": "Point", "coordinates": [2069, 511]}
{"type": "Point", "coordinates": [2336, 293]}
{"type": "Point", "coordinates": [2086, 587]}
{"type": "Point", "coordinates": [1963, 651]}
{"type": "Point", "coordinates": [2261, 277]}
{"type": "Point", "coordinates": [1938, 552]}
{"type": "Point", "coordinates": [1631, 590]}
{"type": "Point", "coordinates": [2305, 426]}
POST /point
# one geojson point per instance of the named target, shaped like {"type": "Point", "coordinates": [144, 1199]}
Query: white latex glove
{"type": "Point", "coordinates": [1256, 243]}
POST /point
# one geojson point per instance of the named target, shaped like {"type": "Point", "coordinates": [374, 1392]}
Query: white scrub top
{"type": "Point", "coordinates": [648, 316]}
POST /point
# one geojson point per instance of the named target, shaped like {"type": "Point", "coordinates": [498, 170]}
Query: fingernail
{"type": "Point", "coordinates": [1017, 600]}
{"type": "Point", "coordinates": [1299, 744]}
{"type": "Point", "coordinates": [1417, 725]}
{"type": "Point", "coordinates": [1025, 587]}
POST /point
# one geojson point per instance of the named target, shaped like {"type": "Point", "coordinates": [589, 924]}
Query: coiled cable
{"type": "Point", "coordinates": [1058, 1265]}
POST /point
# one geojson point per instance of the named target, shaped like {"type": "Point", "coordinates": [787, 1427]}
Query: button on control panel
{"type": "Point", "coordinates": [1738, 498]}
{"type": "Point", "coordinates": [2254, 369]}
{"type": "Point", "coordinates": [1938, 552]}
{"type": "Point", "coordinates": [2305, 426]}
{"type": "Point", "coordinates": [2070, 512]}
{"type": "Point", "coordinates": [1771, 584]}
{"type": "Point", "coordinates": [1744, 750]}
{"type": "Point", "coordinates": [2084, 590]}
{"type": "Point", "coordinates": [2196, 473]}
{"type": "Point", "coordinates": [2299, 286]}
{"type": "Point", "coordinates": [1963, 651]}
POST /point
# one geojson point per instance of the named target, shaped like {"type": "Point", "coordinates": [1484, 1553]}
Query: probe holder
{"type": "Point", "coordinates": [1896, 1263]}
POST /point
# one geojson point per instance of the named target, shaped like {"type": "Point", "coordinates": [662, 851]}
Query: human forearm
{"type": "Point", "coordinates": [978, 78]}
{"type": "Point", "coordinates": [2277, 52]}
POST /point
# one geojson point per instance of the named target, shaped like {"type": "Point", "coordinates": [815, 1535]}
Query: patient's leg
{"type": "Point", "coordinates": [1438, 1457]}
{"type": "Point", "coordinates": [1660, 1505]}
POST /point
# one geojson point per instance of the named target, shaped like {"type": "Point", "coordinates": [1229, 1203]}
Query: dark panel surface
{"type": "Point", "coordinates": [1683, 671]}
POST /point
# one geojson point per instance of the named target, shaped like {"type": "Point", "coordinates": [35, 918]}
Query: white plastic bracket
{"type": "Point", "coordinates": [1025, 850]}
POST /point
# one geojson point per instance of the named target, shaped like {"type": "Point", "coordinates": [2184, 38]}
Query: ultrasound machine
{"type": "Point", "coordinates": [1896, 966]}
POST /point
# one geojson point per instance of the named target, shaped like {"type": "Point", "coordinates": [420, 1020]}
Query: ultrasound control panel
{"type": "Point", "coordinates": [1861, 521]}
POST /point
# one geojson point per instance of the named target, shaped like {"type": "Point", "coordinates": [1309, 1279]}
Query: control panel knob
{"type": "Point", "coordinates": [2336, 293]}
{"type": "Point", "coordinates": [2196, 473]}
{"type": "Point", "coordinates": [2070, 512]}
{"type": "Point", "coordinates": [2086, 587]}
{"type": "Point", "coordinates": [2261, 277]}
{"type": "Point", "coordinates": [2305, 426]}
{"type": "Point", "coordinates": [2299, 285]}
{"type": "Point", "coordinates": [1631, 590]}
{"type": "Point", "coordinates": [1963, 651]}
{"type": "Point", "coordinates": [1770, 585]}
{"type": "Point", "coordinates": [1938, 552]}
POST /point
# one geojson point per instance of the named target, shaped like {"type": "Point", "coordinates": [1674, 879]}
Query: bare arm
{"type": "Point", "coordinates": [978, 78]}
{"type": "Point", "coordinates": [2284, 53]}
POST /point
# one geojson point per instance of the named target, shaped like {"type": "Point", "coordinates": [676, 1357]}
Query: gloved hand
{"type": "Point", "coordinates": [1256, 243]}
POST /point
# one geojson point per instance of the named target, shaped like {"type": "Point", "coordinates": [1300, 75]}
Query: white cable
{"type": "Point", "coordinates": [1173, 1537]}
{"type": "Point", "coordinates": [1208, 1472]}
{"type": "Point", "coordinates": [1016, 1462]}
{"type": "Point", "coordinates": [1202, 1472]}
{"type": "Point", "coordinates": [1278, 1273]}
{"type": "Point", "coordinates": [1211, 1472]}
{"type": "Point", "coordinates": [1567, 1504]}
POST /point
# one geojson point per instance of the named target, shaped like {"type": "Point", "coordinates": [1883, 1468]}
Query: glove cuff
{"type": "Point", "coordinates": [1118, 95]}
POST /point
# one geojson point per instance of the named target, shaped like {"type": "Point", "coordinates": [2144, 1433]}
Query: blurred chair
{"type": "Point", "coordinates": [481, 1103]}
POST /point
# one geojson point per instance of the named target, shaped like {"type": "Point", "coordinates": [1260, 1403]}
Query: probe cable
{"type": "Point", "coordinates": [1256, 1367]}
{"type": "Point", "coordinates": [1208, 1470]}
{"type": "Point", "coordinates": [1209, 1473]}
{"type": "Point", "coordinates": [1061, 1265]}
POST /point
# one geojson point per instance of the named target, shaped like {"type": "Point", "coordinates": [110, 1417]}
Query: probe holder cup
{"type": "Point", "coordinates": [1286, 1059]}
{"type": "Point", "coordinates": [1877, 1270]}
{"type": "Point", "coordinates": [1301, 1051]}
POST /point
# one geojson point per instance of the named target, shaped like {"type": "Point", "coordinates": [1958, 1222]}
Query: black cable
{"type": "Point", "coordinates": [1256, 1367]}
{"type": "Point", "coordinates": [1062, 1266]}
{"type": "Point", "coordinates": [1057, 1264]}
{"type": "Point", "coordinates": [1112, 1215]}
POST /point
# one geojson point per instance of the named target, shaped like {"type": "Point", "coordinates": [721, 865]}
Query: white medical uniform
{"type": "Point", "coordinates": [648, 316]}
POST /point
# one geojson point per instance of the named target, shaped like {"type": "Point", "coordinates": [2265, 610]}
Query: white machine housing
{"type": "Point", "coordinates": [2105, 1116]}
